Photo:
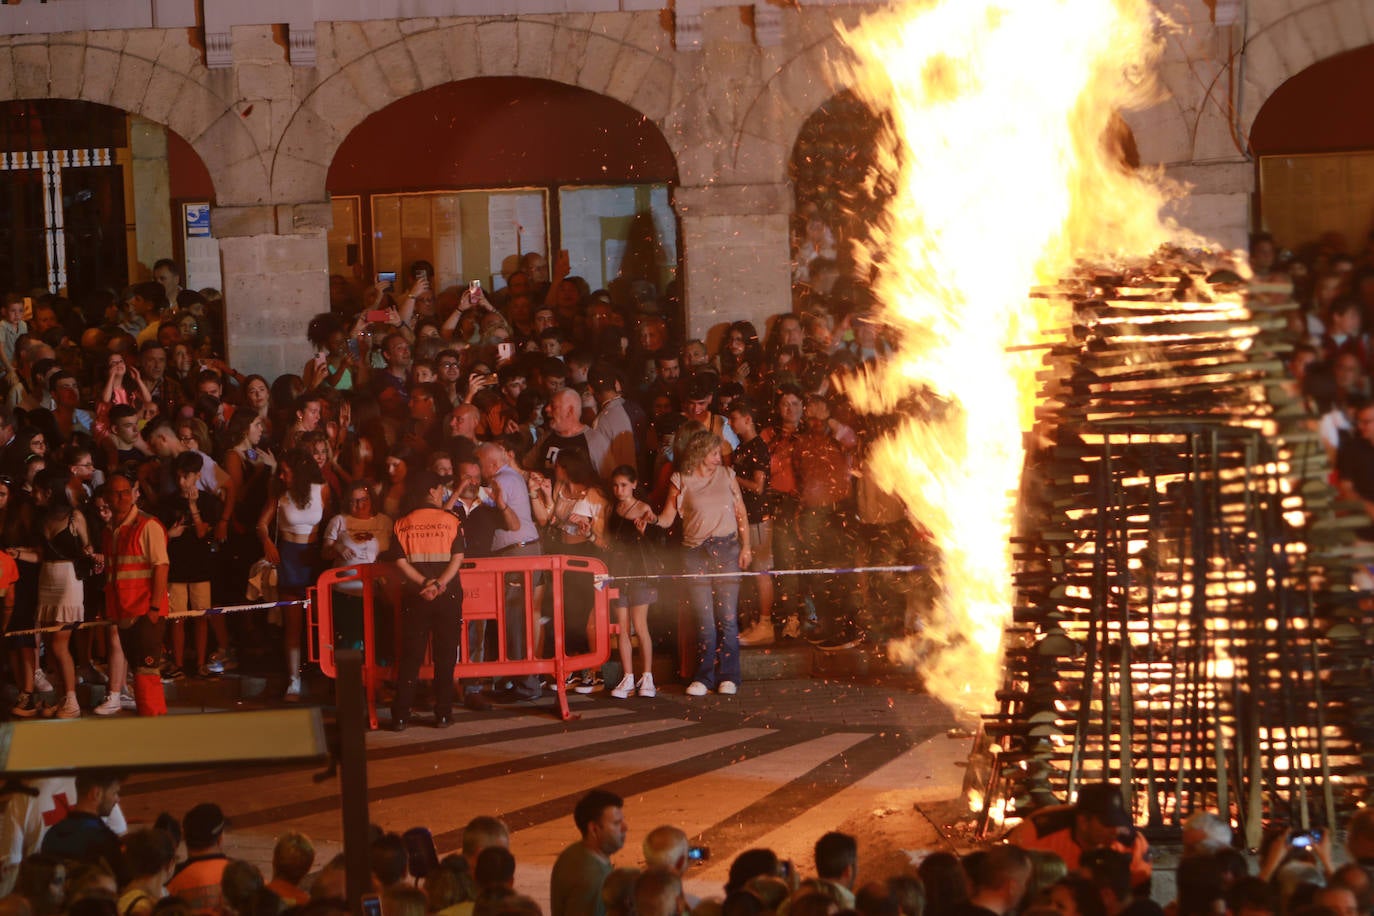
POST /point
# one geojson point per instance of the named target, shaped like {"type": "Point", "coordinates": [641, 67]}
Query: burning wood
{"type": "Point", "coordinates": [1170, 624]}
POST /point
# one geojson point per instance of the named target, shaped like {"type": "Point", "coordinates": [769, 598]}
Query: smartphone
{"type": "Point", "coordinates": [419, 844]}
{"type": "Point", "coordinates": [418, 273]}
{"type": "Point", "coordinates": [353, 347]}
{"type": "Point", "coordinates": [372, 905]}
{"type": "Point", "coordinates": [698, 853]}
{"type": "Point", "coordinates": [505, 351]}
{"type": "Point", "coordinates": [378, 315]}
{"type": "Point", "coordinates": [389, 278]}
{"type": "Point", "coordinates": [475, 287]}
{"type": "Point", "coordinates": [1305, 840]}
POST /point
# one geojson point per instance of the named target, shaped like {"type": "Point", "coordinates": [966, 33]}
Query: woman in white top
{"type": "Point", "coordinates": [715, 539]}
{"type": "Point", "coordinates": [355, 537]}
{"type": "Point", "coordinates": [298, 511]}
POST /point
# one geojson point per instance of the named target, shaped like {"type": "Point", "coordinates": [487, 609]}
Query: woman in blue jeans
{"type": "Point", "coordinates": [715, 538]}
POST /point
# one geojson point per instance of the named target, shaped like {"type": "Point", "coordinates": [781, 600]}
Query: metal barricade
{"type": "Point", "coordinates": [484, 584]}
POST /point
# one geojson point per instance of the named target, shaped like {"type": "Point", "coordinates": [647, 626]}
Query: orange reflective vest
{"type": "Point", "coordinates": [129, 586]}
{"type": "Point", "coordinates": [427, 535]}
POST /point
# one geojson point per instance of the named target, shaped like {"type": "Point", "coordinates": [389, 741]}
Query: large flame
{"type": "Point", "coordinates": [1006, 174]}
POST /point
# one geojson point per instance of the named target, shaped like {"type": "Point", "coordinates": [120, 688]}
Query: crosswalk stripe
{"type": "Point", "coordinates": [471, 732]}
{"type": "Point", "coordinates": [931, 762]}
{"type": "Point", "coordinates": [603, 750]}
{"type": "Point", "coordinates": [694, 804]}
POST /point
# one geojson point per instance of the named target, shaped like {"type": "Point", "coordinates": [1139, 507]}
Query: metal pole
{"type": "Point", "coordinates": [352, 719]}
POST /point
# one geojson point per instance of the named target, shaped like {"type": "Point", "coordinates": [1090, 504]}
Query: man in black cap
{"type": "Point", "coordinates": [428, 551]}
{"type": "Point", "coordinates": [1098, 820]}
{"type": "Point", "coordinates": [197, 880]}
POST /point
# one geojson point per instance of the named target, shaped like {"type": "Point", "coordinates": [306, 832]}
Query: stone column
{"type": "Point", "coordinates": [276, 277]}
{"type": "Point", "coordinates": [1218, 203]}
{"type": "Point", "coordinates": [152, 192]}
{"type": "Point", "coordinates": [735, 253]}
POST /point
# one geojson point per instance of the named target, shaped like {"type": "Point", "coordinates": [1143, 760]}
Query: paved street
{"type": "Point", "coordinates": [777, 766]}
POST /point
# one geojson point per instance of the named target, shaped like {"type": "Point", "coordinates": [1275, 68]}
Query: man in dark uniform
{"type": "Point", "coordinates": [428, 551]}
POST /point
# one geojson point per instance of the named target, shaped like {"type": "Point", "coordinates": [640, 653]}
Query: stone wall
{"type": "Point", "coordinates": [730, 104]}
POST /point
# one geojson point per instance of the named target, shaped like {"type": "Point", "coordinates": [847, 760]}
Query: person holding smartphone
{"type": "Point", "coordinates": [333, 365]}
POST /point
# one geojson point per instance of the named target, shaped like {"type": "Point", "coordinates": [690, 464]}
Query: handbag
{"type": "Point", "coordinates": [262, 581]}
{"type": "Point", "coordinates": [83, 563]}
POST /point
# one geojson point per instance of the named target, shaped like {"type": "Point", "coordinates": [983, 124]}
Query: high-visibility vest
{"type": "Point", "coordinates": [129, 586]}
{"type": "Point", "coordinates": [427, 534]}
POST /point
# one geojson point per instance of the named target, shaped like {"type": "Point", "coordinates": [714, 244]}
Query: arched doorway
{"type": "Point", "coordinates": [92, 196]}
{"type": "Point", "coordinates": [471, 175]}
{"type": "Point", "coordinates": [835, 199]}
{"type": "Point", "coordinates": [1314, 142]}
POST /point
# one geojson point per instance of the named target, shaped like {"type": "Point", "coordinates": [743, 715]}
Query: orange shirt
{"type": "Point", "coordinates": [1058, 838]}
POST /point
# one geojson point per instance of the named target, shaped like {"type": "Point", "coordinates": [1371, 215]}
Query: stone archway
{"type": "Point", "coordinates": [624, 56]}
{"type": "Point", "coordinates": [155, 74]}
{"type": "Point", "coordinates": [1292, 42]}
{"type": "Point", "coordinates": [767, 132]}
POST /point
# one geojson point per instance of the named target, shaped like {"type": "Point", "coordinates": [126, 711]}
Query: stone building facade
{"type": "Point", "coordinates": [266, 103]}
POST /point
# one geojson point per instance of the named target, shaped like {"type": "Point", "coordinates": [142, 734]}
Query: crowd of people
{"type": "Point", "coordinates": [1084, 859]}
{"type": "Point", "coordinates": [1329, 291]}
{"type": "Point", "coordinates": [141, 474]}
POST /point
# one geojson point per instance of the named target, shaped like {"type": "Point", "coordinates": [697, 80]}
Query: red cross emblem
{"type": "Point", "coordinates": [58, 810]}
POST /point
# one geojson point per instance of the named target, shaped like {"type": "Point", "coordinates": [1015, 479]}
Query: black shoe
{"type": "Point", "coordinates": [442, 721]}
{"type": "Point", "coordinates": [526, 692]}
{"type": "Point", "coordinates": [839, 642]}
{"type": "Point", "coordinates": [399, 725]}
{"type": "Point", "coordinates": [478, 702]}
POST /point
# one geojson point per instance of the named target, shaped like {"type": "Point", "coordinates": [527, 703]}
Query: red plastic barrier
{"type": "Point", "coordinates": [484, 598]}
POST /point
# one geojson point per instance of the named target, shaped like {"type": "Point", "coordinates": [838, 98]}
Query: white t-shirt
{"type": "Point", "coordinates": [359, 540]}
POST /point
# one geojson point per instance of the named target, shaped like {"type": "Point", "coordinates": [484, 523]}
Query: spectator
{"type": "Point", "coordinates": [83, 836]}
{"type": "Point", "coordinates": [577, 876]}
{"type": "Point", "coordinates": [997, 881]}
{"type": "Point", "coordinates": [389, 862]}
{"type": "Point", "coordinates": [150, 859]}
{"type": "Point", "coordinates": [199, 879]}
{"type": "Point", "coordinates": [298, 512]}
{"type": "Point", "coordinates": [61, 595]}
{"type": "Point", "coordinates": [292, 857]}
{"type": "Point", "coordinates": [495, 869]}
{"type": "Point", "coordinates": [753, 467]}
{"type": "Point", "coordinates": [632, 553]}
{"type": "Point", "coordinates": [715, 539]}
{"type": "Point", "coordinates": [658, 892]}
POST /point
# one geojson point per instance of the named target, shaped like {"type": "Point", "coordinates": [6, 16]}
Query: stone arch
{"type": "Point", "coordinates": [763, 142]}
{"type": "Point", "coordinates": [154, 74]}
{"type": "Point", "coordinates": [622, 56]}
{"type": "Point", "coordinates": [1293, 41]}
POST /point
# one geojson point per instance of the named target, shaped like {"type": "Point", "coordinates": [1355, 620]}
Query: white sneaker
{"type": "Point", "coordinates": [41, 684]}
{"type": "Point", "coordinates": [792, 628]}
{"type": "Point", "coordinates": [760, 634]}
{"type": "Point", "coordinates": [127, 701]}
{"type": "Point", "coordinates": [646, 687]}
{"type": "Point", "coordinates": [70, 708]}
{"type": "Point", "coordinates": [697, 689]}
{"type": "Point", "coordinates": [625, 689]}
{"type": "Point", "coordinates": [109, 706]}
{"type": "Point", "coordinates": [293, 690]}
{"type": "Point", "coordinates": [727, 688]}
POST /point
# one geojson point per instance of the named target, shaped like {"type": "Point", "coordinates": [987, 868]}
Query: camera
{"type": "Point", "coordinates": [389, 278]}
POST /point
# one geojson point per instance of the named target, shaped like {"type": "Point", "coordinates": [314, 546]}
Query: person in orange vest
{"type": "Point", "coordinates": [136, 591]}
{"type": "Point", "coordinates": [1098, 819]}
{"type": "Point", "coordinates": [428, 550]}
